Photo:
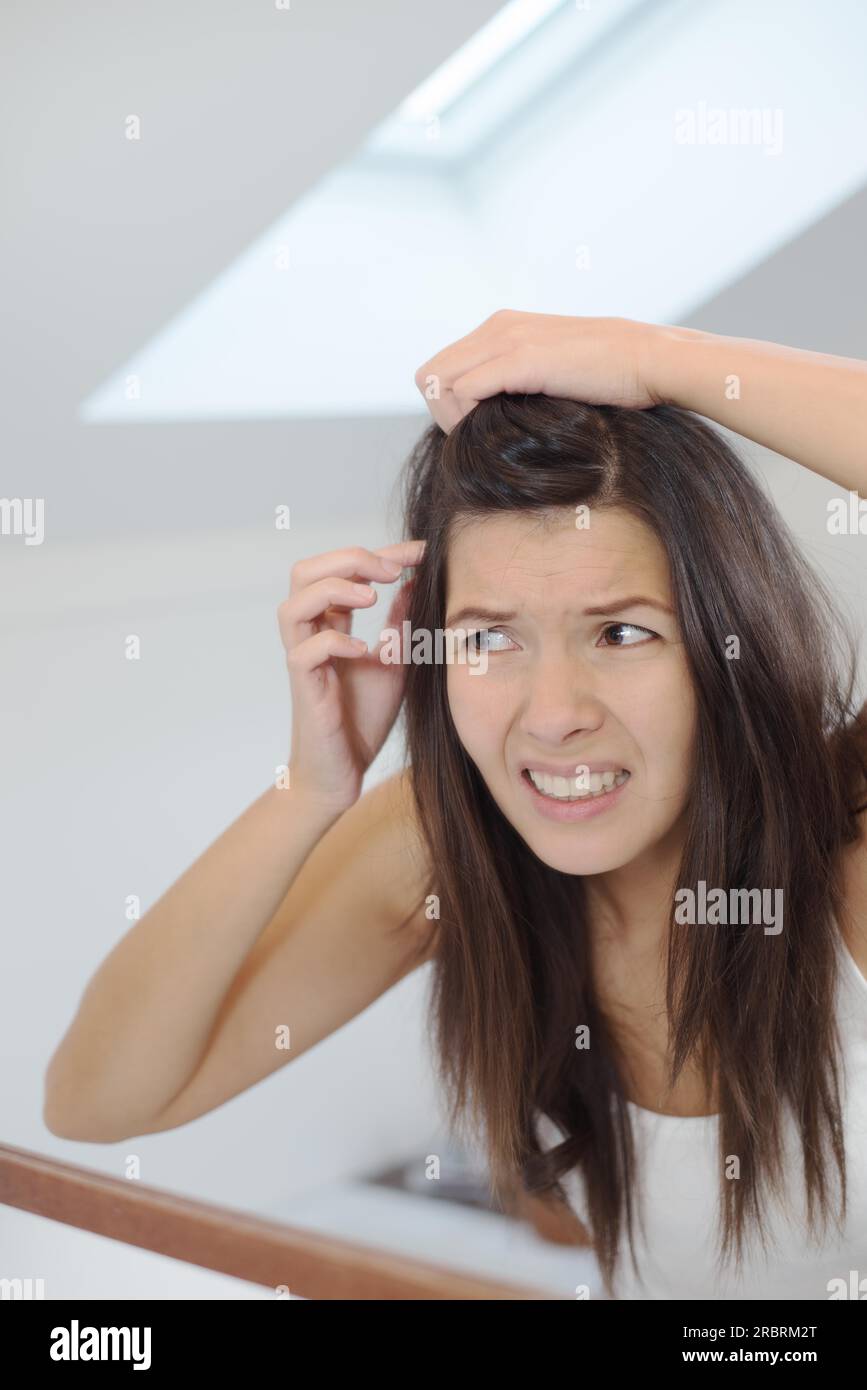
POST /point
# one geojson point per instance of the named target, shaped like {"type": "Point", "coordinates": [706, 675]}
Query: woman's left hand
{"type": "Point", "coordinates": [601, 361]}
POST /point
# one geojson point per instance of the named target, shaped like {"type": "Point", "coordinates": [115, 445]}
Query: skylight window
{"type": "Point", "coordinates": [503, 32]}
{"type": "Point", "coordinates": [543, 168]}
{"type": "Point", "coordinates": [522, 51]}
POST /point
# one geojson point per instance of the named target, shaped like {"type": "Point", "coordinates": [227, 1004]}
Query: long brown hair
{"type": "Point", "coordinates": [779, 760]}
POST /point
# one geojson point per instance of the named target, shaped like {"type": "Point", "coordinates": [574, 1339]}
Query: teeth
{"type": "Point", "coordinates": [566, 788]}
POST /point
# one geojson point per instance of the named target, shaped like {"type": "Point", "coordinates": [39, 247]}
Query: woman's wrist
{"type": "Point", "coordinates": [670, 359]}
{"type": "Point", "coordinates": [297, 802]}
{"type": "Point", "coordinates": [807, 406]}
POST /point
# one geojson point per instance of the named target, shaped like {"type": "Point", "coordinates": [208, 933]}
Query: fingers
{"type": "Point", "coordinates": [314, 600]}
{"type": "Point", "coordinates": [307, 655]}
{"type": "Point", "coordinates": [508, 373]}
{"type": "Point", "coordinates": [405, 553]}
{"type": "Point", "coordinates": [326, 588]}
{"type": "Point", "coordinates": [437, 378]}
{"type": "Point", "coordinates": [356, 562]}
{"type": "Point", "coordinates": [511, 372]}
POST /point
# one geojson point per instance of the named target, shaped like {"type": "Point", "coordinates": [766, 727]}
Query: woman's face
{"type": "Point", "coordinates": [567, 689]}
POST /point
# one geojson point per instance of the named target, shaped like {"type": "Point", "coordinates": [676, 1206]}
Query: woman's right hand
{"type": "Point", "coordinates": [344, 698]}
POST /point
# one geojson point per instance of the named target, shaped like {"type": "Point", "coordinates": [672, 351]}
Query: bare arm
{"type": "Point", "coordinates": [809, 406]}
{"type": "Point", "coordinates": [285, 922]}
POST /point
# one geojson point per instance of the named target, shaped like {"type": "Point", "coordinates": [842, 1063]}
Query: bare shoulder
{"type": "Point", "coordinates": [397, 857]}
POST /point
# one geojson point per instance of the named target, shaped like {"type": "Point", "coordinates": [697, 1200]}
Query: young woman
{"type": "Point", "coordinates": [662, 719]}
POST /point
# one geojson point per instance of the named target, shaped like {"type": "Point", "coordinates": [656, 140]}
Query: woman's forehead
{"type": "Point", "coordinates": [612, 546]}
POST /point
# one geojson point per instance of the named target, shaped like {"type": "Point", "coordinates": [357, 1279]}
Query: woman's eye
{"type": "Point", "coordinates": [628, 627]}
{"type": "Point", "coordinates": [478, 640]}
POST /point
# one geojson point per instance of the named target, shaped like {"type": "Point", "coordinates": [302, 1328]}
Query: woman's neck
{"type": "Point", "coordinates": [629, 908]}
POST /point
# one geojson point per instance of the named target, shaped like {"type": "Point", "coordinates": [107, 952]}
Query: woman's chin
{"type": "Point", "coordinates": [566, 860]}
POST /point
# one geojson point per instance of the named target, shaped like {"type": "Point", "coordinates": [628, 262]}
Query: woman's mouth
{"type": "Point", "coordinates": [571, 798]}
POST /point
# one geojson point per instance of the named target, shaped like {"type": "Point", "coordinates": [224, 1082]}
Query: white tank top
{"type": "Point", "coordinates": [677, 1165]}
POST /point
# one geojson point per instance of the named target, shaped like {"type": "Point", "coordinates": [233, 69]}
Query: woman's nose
{"type": "Point", "coordinates": [561, 700]}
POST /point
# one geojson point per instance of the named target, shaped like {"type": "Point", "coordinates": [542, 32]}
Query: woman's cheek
{"type": "Point", "coordinates": [462, 704]}
{"type": "Point", "coordinates": [675, 743]}
{"type": "Point", "coordinates": [472, 709]}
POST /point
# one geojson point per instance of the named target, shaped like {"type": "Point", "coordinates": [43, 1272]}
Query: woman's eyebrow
{"type": "Point", "coordinates": [616, 605]}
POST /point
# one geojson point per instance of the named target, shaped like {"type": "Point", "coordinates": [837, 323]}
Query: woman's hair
{"type": "Point", "coordinates": [779, 763]}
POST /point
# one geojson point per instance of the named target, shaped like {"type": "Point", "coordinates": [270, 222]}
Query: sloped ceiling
{"type": "Point", "coordinates": [628, 160]}
{"type": "Point", "coordinates": [243, 108]}
{"type": "Point", "coordinates": [244, 112]}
